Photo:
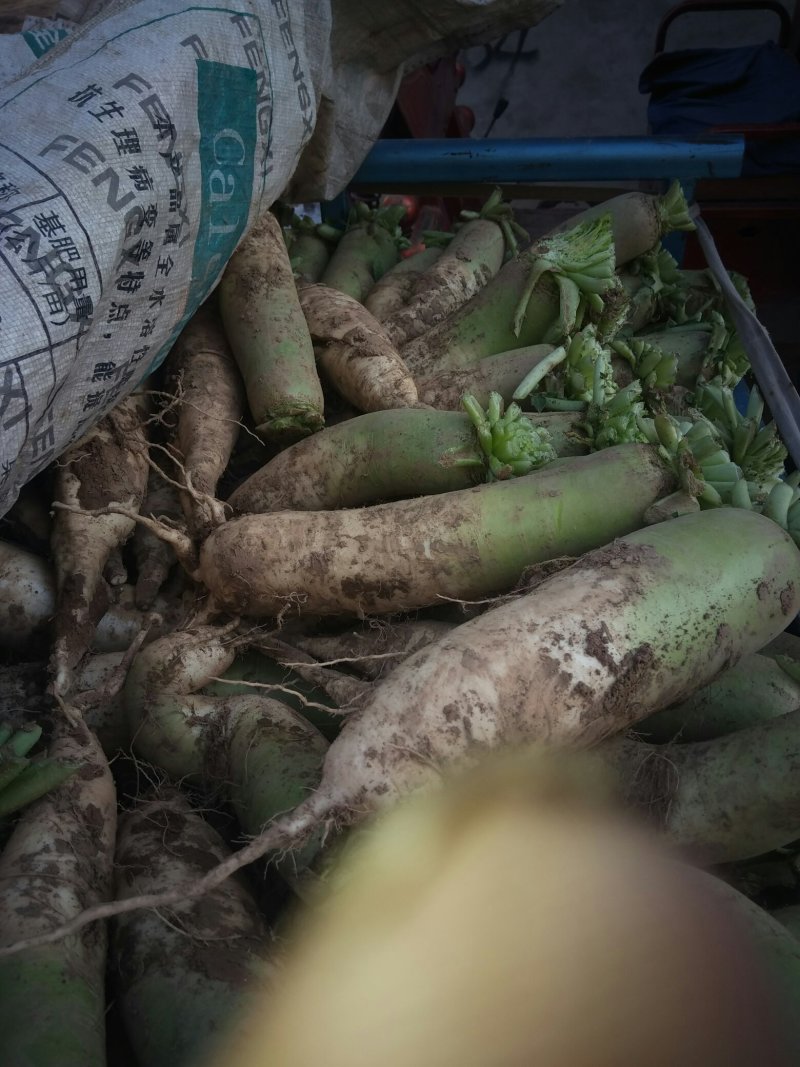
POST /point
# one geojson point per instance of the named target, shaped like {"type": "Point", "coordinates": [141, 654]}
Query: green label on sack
{"type": "Point", "coordinates": [226, 116]}
{"type": "Point", "coordinates": [41, 41]}
{"type": "Point", "coordinates": [226, 113]}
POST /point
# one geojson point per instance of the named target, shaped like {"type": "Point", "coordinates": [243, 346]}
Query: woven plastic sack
{"type": "Point", "coordinates": [135, 154]}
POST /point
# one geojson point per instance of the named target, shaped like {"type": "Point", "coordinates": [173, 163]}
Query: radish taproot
{"type": "Point", "coordinates": [268, 335]}
{"type": "Point", "coordinates": [107, 466]}
{"type": "Point", "coordinates": [355, 352]}
{"type": "Point", "coordinates": [202, 374]}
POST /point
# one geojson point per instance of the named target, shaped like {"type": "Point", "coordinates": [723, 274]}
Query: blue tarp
{"type": "Point", "coordinates": [694, 89]}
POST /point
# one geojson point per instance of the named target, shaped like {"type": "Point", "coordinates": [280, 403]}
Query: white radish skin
{"type": "Point", "coordinates": [109, 466]}
{"type": "Point", "coordinates": [630, 629]}
{"type": "Point", "coordinates": [28, 605]}
{"type": "Point", "coordinates": [624, 632]}
{"type": "Point", "coordinates": [27, 596]}
{"type": "Point", "coordinates": [212, 400]}
{"type": "Point", "coordinates": [471, 259]}
{"type": "Point", "coordinates": [407, 554]}
{"type": "Point", "coordinates": [355, 351]}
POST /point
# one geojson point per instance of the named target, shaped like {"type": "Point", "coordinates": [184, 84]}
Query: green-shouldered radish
{"type": "Point", "coordinates": [472, 258]}
{"type": "Point", "coordinates": [268, 335]}
{"type": "Point", "coordinates": [406, 452]}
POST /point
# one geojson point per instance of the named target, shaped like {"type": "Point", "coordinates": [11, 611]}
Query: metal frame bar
{"type": "Point", "coordinates": [393, 165]}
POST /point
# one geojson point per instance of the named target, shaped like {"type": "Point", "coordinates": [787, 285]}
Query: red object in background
{"type": "Point", "coordinates": [410, 203]}
{"type": "Point", "coordinates": [464, 118]}
{"type": "Point", "coordinates": [427, 98]}
{"type": "Point", "coordinates": [426, 107]}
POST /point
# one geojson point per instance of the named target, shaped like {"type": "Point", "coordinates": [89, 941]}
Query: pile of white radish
{"type": "Point", "coordinates": [378, 517]}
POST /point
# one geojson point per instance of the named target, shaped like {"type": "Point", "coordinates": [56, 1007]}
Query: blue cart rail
{"type": "Point", "coordinates": [396, 164]}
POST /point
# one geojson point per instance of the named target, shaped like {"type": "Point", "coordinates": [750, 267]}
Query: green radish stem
{"type": "Point", "coordinates": [615, 421]}
{"type": "Point", "coordinates": [355, 351]}
{"type": "Point", "coordinates": [472, 258]}
{"type": "Point", "coordinates": [24, 780]}
{"type": "Point", "coordinates": [655, 369]}
{"type": "Point", "coordinates": [511, 444]}
{"type": "Point", "coordinates": [268, 335]}
{"type": "Point", "coordinates": [365, 252]}
{"type": "Point", "coordinates": [537, 373]}
{"type": "Point", "coordinates": [756, 448]}
{"type": "Point", "coordinates": [384, 455]}
{"type": "Point", "coordinates": [58, 861]}
{"type": "Point", "coordinates": [496, 374]}
{"type": "Point", "coordinates": [700, 351]}
{"type": "Point", "coordinates": [701, 466]}
{"type": "Point", "coordinates": [34, 780]}
{"type": "Point", "coordinates": [584, 373]}
{"type": "Point", "coordinates": [408, 554]}
{"type": "Point", "coordinates": [393, 290]}
{"type": "Point", "coordinates": [182, 982]}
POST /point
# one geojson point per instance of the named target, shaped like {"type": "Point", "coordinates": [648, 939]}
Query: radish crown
{"type": "Point", "coordinates": [511, 443]}
{"type": "Point", "coordinates": [495, 210]}
{"type": "Point", "coordinates": [673, 211]}
{"type": "Point", "coordinates": [616, 421]}
{"type": "Point", "coordinates": [654, 368]}
{"type": "Point", "coordinates": [581, 261]}
{"type": "Point", "coordinates": [756, 448]}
